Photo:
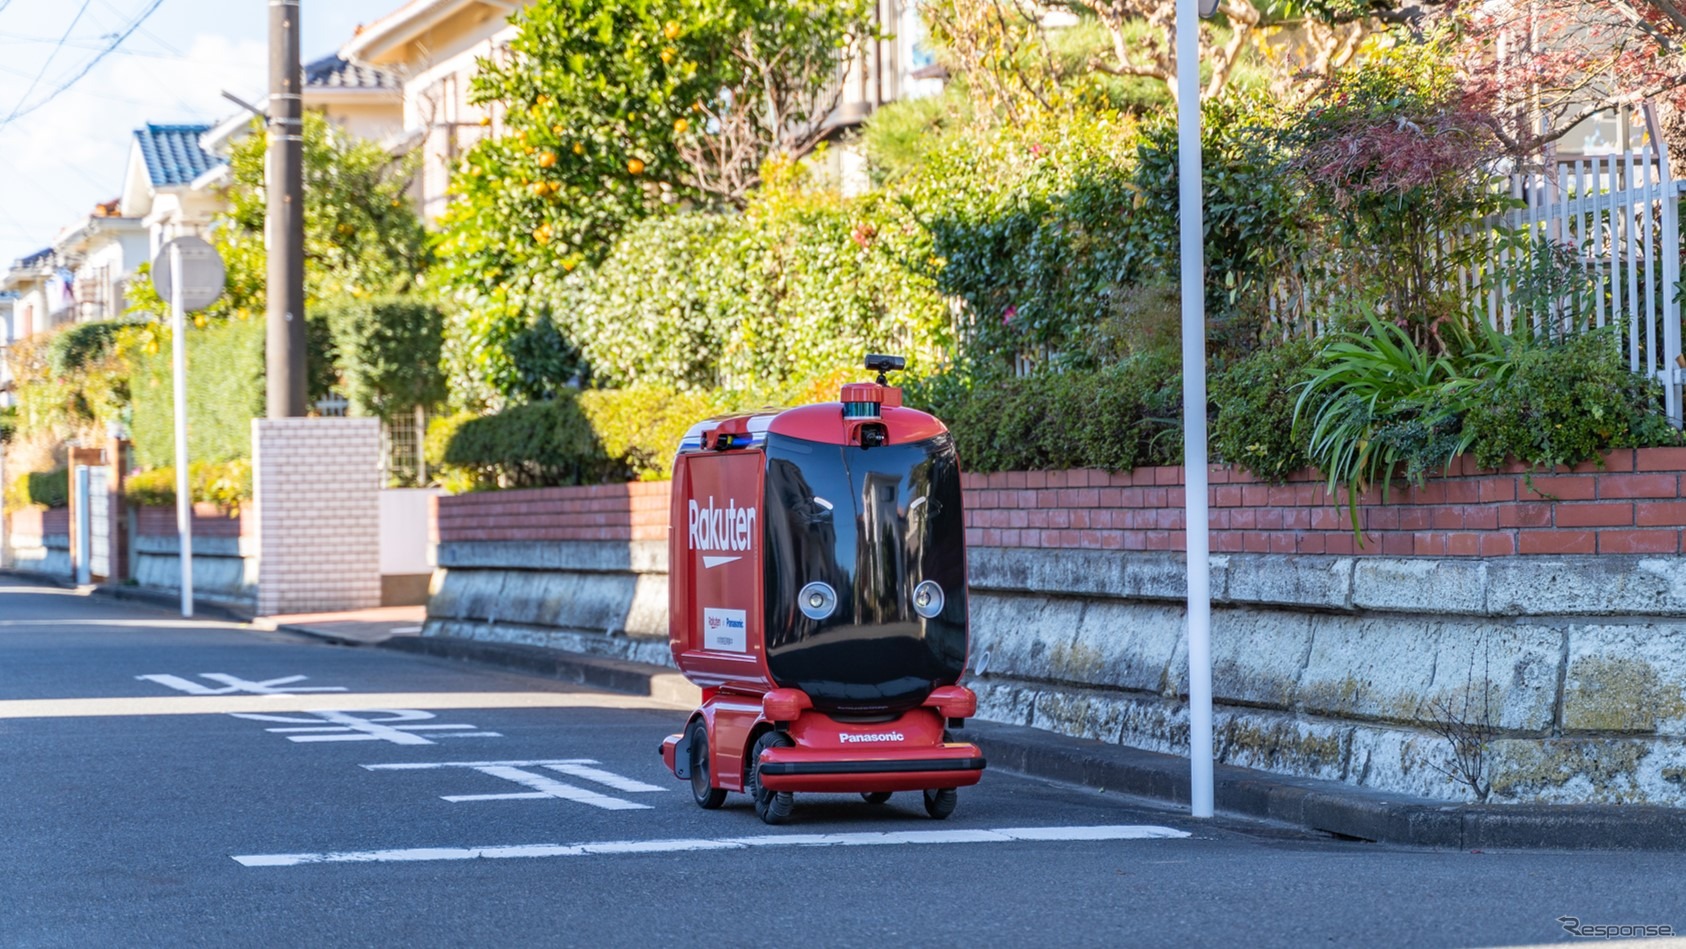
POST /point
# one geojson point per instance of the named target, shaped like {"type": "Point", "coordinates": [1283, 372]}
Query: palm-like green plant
{"type": "Point", "coordinates": [1378, 404]}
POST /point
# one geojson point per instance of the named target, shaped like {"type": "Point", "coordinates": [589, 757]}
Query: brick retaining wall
{"type": "Point", "coordinates": [1634, 504]}
{"type": "Point", "coordinates": [208, 521]}
{"type": "Point", "coordinates": [608, 512]}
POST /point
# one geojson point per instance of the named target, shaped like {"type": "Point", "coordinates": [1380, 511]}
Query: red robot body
{"type": "Point", "coordinates": [818, 595]}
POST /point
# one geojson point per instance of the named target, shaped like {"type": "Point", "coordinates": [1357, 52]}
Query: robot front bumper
{"type": "Point", "coordinates": [799, 768]}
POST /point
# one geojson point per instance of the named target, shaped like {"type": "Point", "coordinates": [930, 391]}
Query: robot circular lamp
{"type": "Point", "coordinates": [818, 596]}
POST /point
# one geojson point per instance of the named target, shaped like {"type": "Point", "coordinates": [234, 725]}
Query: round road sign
{"type": "Point", "coordinates": [202, 273]}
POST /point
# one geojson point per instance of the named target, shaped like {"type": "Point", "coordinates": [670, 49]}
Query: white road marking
{"type": "Point", "coordinates": [343, 702]}
{"type": "Point", "coordinates": [405, 630]}
{"type": "Point", "coordinates": [543, 786]}
{"type": "Point", "coordinates": [548, 787]}
{"type": "Point", "coordinates": [233, 684]}
{"type": "Point", "coordinates": [583, 770]}
{"type": "Point", "coordinates": [363, 726]}
{"type": "Point", "coordinates": [685, 845]}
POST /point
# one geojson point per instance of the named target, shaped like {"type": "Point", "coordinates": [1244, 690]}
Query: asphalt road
{"type": "Point", "coordinates": [456, 806]}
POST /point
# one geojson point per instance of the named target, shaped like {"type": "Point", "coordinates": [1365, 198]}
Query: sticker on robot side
{"type": "Point", "coordinates": [724, 630]}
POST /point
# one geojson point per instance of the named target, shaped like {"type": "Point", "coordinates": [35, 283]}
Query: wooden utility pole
{"type": "Point", "coordinates": [284, 355]}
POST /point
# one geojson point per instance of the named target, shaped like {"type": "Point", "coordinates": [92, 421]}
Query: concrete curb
{"type": "Point", "coordinates": [1325, 806]}
{"type": "Point", "coordinates": [171, 600]}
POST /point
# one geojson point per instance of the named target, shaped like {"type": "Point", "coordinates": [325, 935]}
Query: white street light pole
{"type": "Point", "coordinates": [184, 497]}
{"type": "Point", "coordinates": [1195, 520]}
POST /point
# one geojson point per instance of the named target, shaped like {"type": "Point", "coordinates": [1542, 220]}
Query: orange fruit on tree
{"type": "Point", "coordinates": [579, 149]}
{"type": "Point", "coordinates": [634, 165]}
{"type": "Point", "coordinates": [671, 31]}
{"type": "Point", "coordinates": [547, 159]}
{"type": "Point", "coordinates": [680, 125]}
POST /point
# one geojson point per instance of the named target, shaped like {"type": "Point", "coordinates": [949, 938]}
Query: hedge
{"type": "Point", "coordinates": [225, 388]}
{"type": "Point", "coordinates": [225, 391]}
{"type": "Point", "coordinates": [594, 437]}
{"type": "Point", "coordinates": [225, 484]}
{"type": "Point", "coordinates": [388, 354]}
{"type": "Point", "coordinates": [40, 489]}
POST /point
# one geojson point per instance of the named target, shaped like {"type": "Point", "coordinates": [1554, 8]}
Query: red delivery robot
{"type": "Point", "coordinates": [818, 597]}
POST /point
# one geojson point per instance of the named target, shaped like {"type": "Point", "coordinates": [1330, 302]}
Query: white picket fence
{"type": "Point", "coordinates": [1618, 216]}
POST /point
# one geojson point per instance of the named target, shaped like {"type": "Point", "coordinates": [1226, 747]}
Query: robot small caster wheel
{"type": "Point", "coordinates": [875, 797]}
{"type": "Point", "coordinates": [939, 802]}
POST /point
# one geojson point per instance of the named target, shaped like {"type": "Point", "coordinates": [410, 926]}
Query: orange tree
{"type": "Point", "coordinates": [608, 113]}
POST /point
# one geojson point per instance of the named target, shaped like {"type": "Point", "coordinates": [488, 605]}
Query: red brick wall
{"type": "Point", "coordinates": [208, 521]}
{"type": "Point", "coordinates": [37, 522]}
{"type": "Point", "coordinates": [625, 512]}
{"type": "Point", "coordinates": [1634, 504]}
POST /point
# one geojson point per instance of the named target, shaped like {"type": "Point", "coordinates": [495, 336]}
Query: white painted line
{"type": "Point", "coordinates": [604, 777]}
{"type": "Point", "coordinates": [685, 845]}
{"type": "Point", "coordinates": [405, 630]}
{"type": "Point", "coordinates": [546, 786]}
{"type": "Point", "coordinates": [554, 788]}
{"type": "Point", "coordinates": [343, 701]}
{"type": "Point", "coordinates": [419, 765]}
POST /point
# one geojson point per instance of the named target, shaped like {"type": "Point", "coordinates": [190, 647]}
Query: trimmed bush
{"type": "Point", "coordinates": [225, 391]}
{"type": "Point", "coordinates": [524, 446]}
{"type": "Point", "coordinates": [388, 354]}
{"type": "Point", "coordinates": [225, 484]}
{"type": "Point", "coordinates": [1117, 418]}
{"type": "Point", "coordinates": [40, 489]}
{"type": "Point", "coordinates": [595, 437]}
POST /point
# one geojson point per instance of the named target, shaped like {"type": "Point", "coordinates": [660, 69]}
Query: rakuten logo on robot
{"type": "Point", "coordinates": [728, 528]}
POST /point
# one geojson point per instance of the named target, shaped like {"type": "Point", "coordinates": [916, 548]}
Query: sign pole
{"type": "Point", "coordinates": [184, 499]}
{"type": "Point", "coordinates": [1195, 516]}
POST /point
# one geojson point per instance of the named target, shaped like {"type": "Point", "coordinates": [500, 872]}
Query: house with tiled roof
{"type": "Point", "coordinates": [158, 187]}
{"type": "Point", "coordinates": [363, 100]}
{"type": "Point", "coordinates": [25, 283]}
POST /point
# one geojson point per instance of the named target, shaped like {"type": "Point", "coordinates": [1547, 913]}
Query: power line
{"type": "Point", "coordinates": [117, 40]}
{"type": "Point", "coordinates": [50, 56]}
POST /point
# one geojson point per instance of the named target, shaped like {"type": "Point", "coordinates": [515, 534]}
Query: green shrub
{"type": "Point", "coordinates": [81, 345]}
{"type": "Point", "coordinates": [796, 285]}
{"type": "Point", "coordinates": [640, 428]}
{"type": "Point", "coordinates": [1563, 404]}
{"type": "Point", "coordinates": [598, 436]}
{"type": "Point", "coordinates": [1117, 418]}
{"type": "Point", "coordinates": [39, 489]}
{"type": "Point", "coordinates": [1253, 421]}
{"type": "Point", "coordinates": [226, 484]}
{"type": "Point", "coordinates": [225, 391]}
{"type": "Point", "coordinates": [535, 445]}
{"type": "Point", "coordinates": [8, 423]}
{"type": "Point", "coordinates": [225, 387]}
{"type": "Point", "coordinates": [387, 352]}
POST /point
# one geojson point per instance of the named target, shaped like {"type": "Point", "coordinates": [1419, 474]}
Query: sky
{"type": "Point", "coordinates": [61, 159]}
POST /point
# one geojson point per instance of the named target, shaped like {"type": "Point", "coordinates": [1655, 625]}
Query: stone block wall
{"type": "Point", "coordinates": [39, 541]}
{"type": "Point", "coordinates": [316, 485]}
{"type": "Point", "coordinates": [225, 565]}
